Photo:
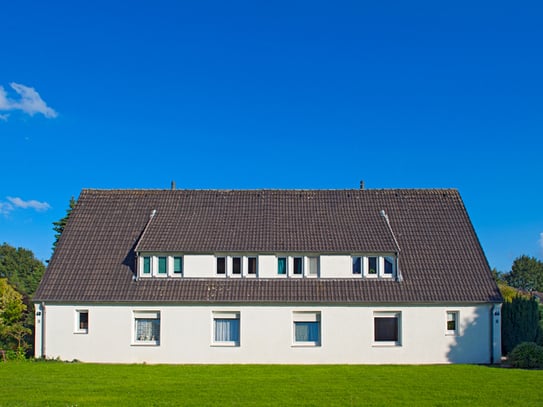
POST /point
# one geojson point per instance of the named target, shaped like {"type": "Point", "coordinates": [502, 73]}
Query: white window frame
{"type": "Point", "coordinates": [146, 315]}
{"type": "Point", "coordinates": [217, 257]}
{"type": "Point", "coordinates": [317, 266]}
{"type": "Point", "coordinates": [302, 317]}
{"type": "Point", "coordinates": [246, 269]}
{"type": "Point", "coordinates": [387, 314]}
{"type": "Point", "coordinates": [142, 266]}
{"type": "Point", "coordinates": [456, 318]}
{"type": "Point", "coordinates": [287, 268]}
{"type": "Point", "coordinates": [221, 315]}
{"type": "Point", "coordinates": [77, 327]}
{"type": "Point", "coordinates": [171, 268]}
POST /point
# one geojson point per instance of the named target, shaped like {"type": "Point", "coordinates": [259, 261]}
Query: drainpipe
{"type": "Point", "coordinates": [43, 330]}
{"type": "Point", "coordinates": [496, 334]}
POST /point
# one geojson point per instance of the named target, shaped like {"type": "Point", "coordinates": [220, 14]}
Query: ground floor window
{"type": "Point", "coordinates": [82, 321]}
{"type": "Point", "coordinates": [386, 327]}
{"type": "Point", "coordinates": [307, 328]}
{"type": "Point", "coordinates": [452, 322]}
{"type": "Point", "coordinates": [147, 327]}
{"type": "Point", "coordinates": [226, 328]}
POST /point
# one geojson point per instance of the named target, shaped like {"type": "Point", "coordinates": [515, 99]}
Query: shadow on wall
{"type": "Point", "coordinates": [474, 343]}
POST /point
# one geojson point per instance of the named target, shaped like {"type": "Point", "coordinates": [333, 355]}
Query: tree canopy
{"type": "Point", "coordinates": [22, 270]}
{"type": "Point", "coordinates": [12, 318]}
{"type": "Point", "coordinates": [526, 274]}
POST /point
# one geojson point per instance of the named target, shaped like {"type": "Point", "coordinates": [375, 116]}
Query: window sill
{"type": "Point", "coordinates": [85, 332]}
{"type": "Point", "coordinates": [225, 345]}
{"type": "Point", "coordinates": [306, 345]}
{"type": "Point", "coordinates": [386, 345]}
{"type": "Point", "coordinates": [145, 344]}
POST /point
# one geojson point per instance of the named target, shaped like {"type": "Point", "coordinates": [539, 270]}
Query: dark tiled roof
{"type": "Point", "coordinates": [441, 258]}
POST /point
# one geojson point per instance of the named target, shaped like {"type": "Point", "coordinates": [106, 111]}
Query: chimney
{"type": "Point", "coordinates": [173, 185]}
{"type": "Point", "coordinates": [361, 184]}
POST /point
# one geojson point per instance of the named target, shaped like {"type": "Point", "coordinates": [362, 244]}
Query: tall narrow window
{"type": "Point", "coordinates": [226, 328]}
{"type": "Point", "coordinates": [162, 265]}
{"type": "Point", "coordinates": [281, 265]}
{"type": "Point", "coordinates": [313, 266]}
{"type": "Point", "coordinates": [386, 327]}
{"type": "Point", "coordinates": [357, 265]}
{"type": "Point", "coordinates": [372, 266]}
{"type": "Point", "coordinates": [146, 265]}
{"type": "Point", "coordinates": [147, 327]}
{"type": "Point", "coordinates": [221, 265]}
{"type": "Point", "coordinates": [389, 266]}
{"type": "Point", "coordinates": [82, 321]}
{"type": "Point", "coordinates": [452, 322]}
{"type": "Point", "coordinates": [178, 265]}
{"type": "Point", "coordinates": [298, 265]}
{"type": "Point", "coordinates": [307, 328]}
{"type": "Point", "coordinates": [236, 265]}
{"type": "Point", "coordinates": [251, 263]}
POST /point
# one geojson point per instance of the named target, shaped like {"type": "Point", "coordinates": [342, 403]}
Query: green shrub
{"type": "Point", "coordinates": [527, 355]}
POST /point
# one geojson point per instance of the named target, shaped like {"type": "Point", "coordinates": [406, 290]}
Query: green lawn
{"type": "Point", "coordinates": [79, 384]}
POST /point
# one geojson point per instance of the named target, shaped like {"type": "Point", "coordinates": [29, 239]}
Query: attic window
{"type": "Point", "coordinates": [221, 265]}
{"type": "Point", "coordinates": [178, 265]}
{"type": "Point", "coordinates": [147, 265]}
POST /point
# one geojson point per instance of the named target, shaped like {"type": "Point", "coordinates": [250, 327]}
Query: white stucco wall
{"type": "Point", "coordinates": [266, 335]}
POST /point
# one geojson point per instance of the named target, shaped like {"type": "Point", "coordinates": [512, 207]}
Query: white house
{"type": "Point", "coordinates": [269, 276]}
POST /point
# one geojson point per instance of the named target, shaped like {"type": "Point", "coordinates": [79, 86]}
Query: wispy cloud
{"type": "Point", "coordinates": [17, 203]}
{"type": "Point", "coordinates": [29, 102]}
{"type": "Point", "coordinates": [541, 242]}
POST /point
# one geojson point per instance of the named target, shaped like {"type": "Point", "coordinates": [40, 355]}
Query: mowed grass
{"type": "Point", "coordinates": [80, 384]}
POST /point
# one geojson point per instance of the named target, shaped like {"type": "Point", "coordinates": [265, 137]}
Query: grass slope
{"type": "Point", "coordinates": [60, 384]}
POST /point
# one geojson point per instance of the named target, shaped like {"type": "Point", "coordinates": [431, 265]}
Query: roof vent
{"type": "Point", "coordinates": [362, 184]}
{"type": "Point", "coordinates": [173, 185]}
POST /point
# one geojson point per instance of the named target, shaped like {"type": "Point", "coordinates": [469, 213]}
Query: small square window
{"type": "Point", "coordinates": [281, 265]}
{"type": "Point", "coordinates": [147, 327]}
{"type": "Point", "coordinates": [251, 263]}
{"type": "Point", "coordinates": [307, 328]}
{"type": "Point", "coordinates": [82, 321]}
{"type": "Point", "coordinates": [386, 328]}
{"type": "Point", "coordinates": [221, 265]}
{"type": "Point", "coordinates": [178, 265]}
{"type": "Point", "coordinates": [162, 265]}
{"type": "Point", "coordinates": [298, 265]}
{"type": "Point", "coordinates": [452, 322]}
{"type": "Point", "coordinates": [236, 265]}
{"type": "Point", "coordinates": [226, 328]}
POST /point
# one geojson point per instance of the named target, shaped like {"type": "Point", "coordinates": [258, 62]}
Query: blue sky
{"type": "Point", "coordinates": [302, 95]}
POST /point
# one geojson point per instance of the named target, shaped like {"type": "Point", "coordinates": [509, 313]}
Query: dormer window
{"type": "Point", "coordinates": [147, 265]}
{"type": "Point", "coordinates": [374, 266]}
{"type": "Point", "coordinates": [162, 265]}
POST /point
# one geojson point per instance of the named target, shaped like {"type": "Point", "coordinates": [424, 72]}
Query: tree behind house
{"type": "Point", "coordinates": [59, 225]}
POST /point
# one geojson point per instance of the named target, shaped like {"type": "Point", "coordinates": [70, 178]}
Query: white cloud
{"type": "Point", "coordinates": [4, 117]}
{"type": "Point", "coordinates": [14, 203]}
{"type": "Point", "coordinates": [36, 205]}
{"type": "Point", "coordinates": [30, 102]}
{"type": "Point", "coordinates": [5, 208]}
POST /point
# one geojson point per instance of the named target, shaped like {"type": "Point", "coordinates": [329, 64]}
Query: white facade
{"type": "Point", "coordinates": [346, 334]}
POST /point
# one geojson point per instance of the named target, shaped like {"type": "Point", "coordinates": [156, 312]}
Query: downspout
{"type": "Point", "coordinates": [43, 330]}
{"type": "Point", "coordinates": [495, 332]}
